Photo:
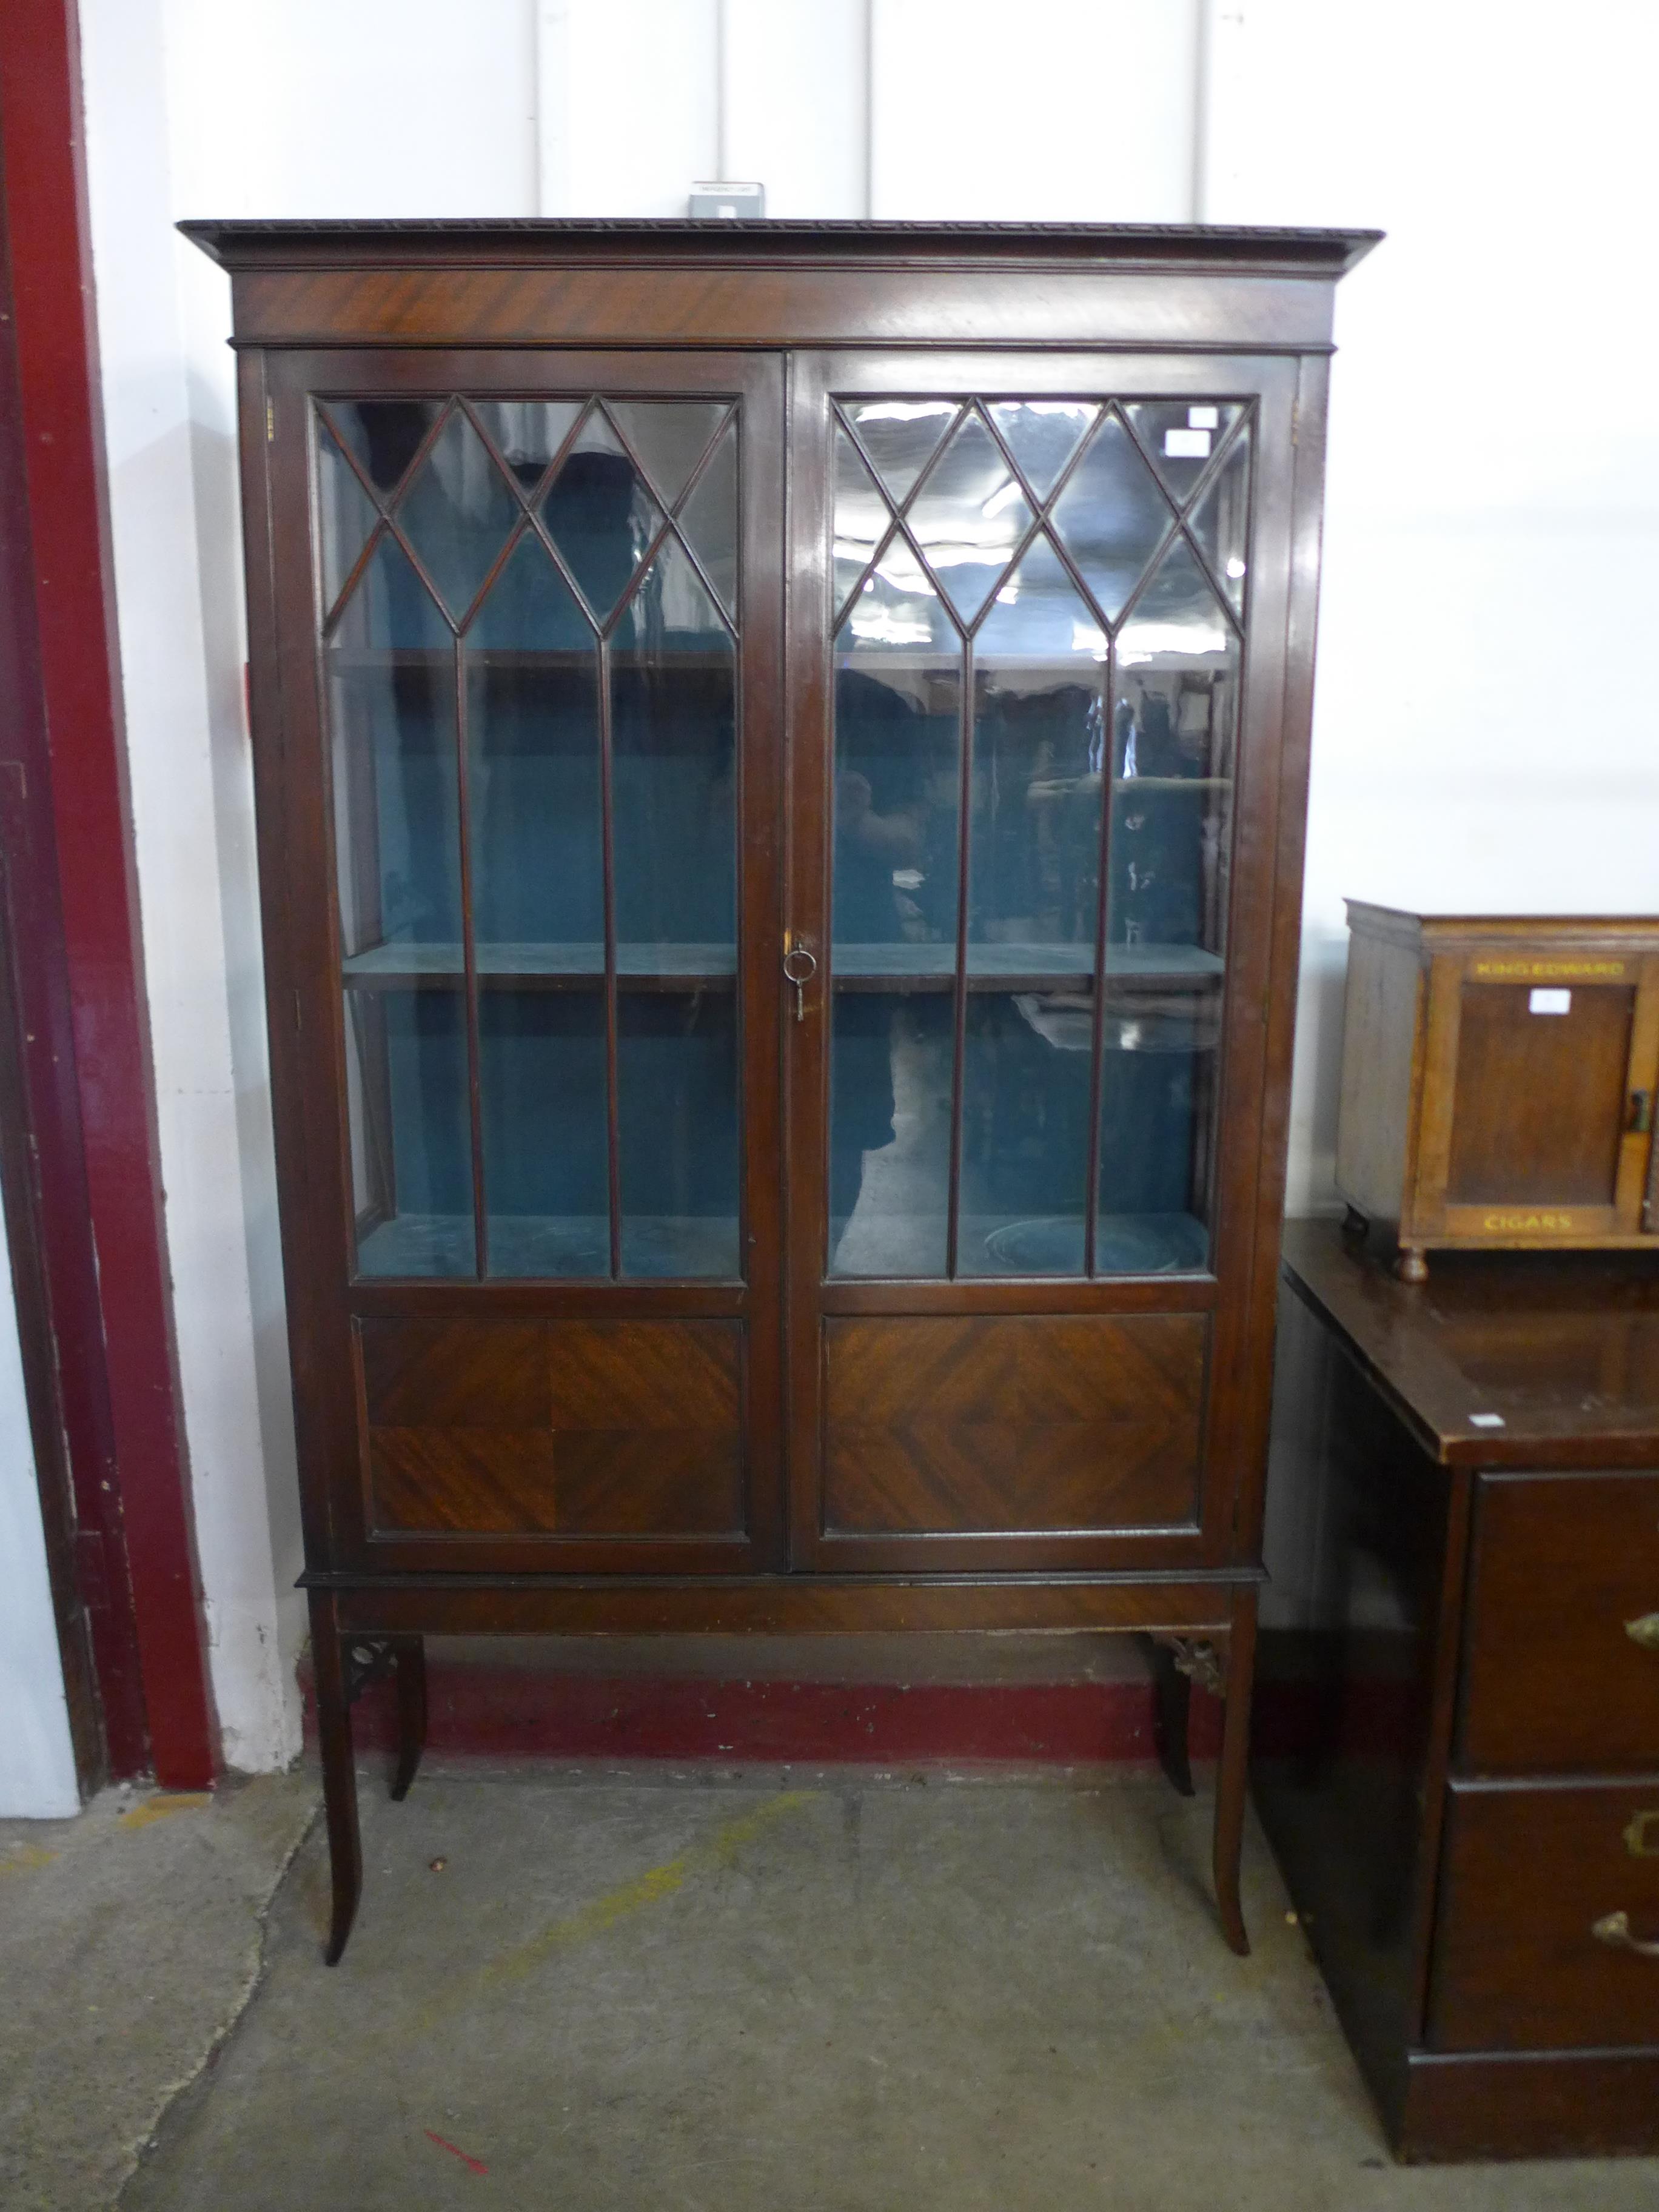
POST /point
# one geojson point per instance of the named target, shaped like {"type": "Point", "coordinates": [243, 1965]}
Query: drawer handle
{"type": "Point", "coordinates": [1644, 1631]}
{"type": "Point", "coordinates": [1642, 1836]}
{"type": "Point", "coordinates": [1612, 1928]}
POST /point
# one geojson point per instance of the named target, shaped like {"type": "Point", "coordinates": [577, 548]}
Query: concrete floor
{"type": "Point", "coordinates": [803, 1990]}
{"type": "Point", "coordinates": [130, 1940]}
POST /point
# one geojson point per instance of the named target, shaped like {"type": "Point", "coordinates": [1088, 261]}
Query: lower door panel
{"type": "Point", "coordinates": [611, 1440]}
{"type": "Point", "coordinates": [960, 1425]}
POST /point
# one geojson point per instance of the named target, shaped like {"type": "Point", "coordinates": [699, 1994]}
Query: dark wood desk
{"type": "Point", "coordinates": [1455, 1751]}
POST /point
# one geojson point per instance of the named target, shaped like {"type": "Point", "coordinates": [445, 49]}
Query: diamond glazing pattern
{"type": "Point", "coordinates": [950, 491]}
{"type": "Point", "coordinates": [456, 488]}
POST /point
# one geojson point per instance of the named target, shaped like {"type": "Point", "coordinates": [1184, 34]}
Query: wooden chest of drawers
{"type": "Point", "coordinates": [1456, 1747]}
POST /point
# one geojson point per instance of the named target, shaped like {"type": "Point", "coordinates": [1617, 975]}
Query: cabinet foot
{"type": "Point", "coordinates": [1232, 1773]}
{"type": "Point", "coordinates": [1412, 1265]}
{"type": "Point", "coordinates": [1355, 1224]}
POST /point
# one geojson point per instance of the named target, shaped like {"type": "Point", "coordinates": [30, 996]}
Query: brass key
{"type": "Point", "coordinates": [801, 979]}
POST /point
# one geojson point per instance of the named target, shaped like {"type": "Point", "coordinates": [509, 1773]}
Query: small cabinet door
{"type": "Point", "coordinates": [1037, 623]}
{"type": "Point", "coordinates": [1542, 1064]}
{"type": "Point", "coordinates": [531, 606]}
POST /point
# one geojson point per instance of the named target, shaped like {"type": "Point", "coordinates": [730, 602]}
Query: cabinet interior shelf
{"type": "Point", "coordinates": [714, 967]}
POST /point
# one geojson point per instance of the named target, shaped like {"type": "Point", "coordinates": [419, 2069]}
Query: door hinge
{"type": "Point", "coordinates": [297, 1011]}
{"type": "Point", "coordinates": [1296, 421]}
{"type": "Point", "coordinates": [271, 421]}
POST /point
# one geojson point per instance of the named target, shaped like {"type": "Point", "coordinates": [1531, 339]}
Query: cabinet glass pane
{"type": "Point", "coordinates": [1174, 728]}
{"type": "Point", "coordinates": [1036, 574]}
{"type": "Point", "coordinates": [456, 511]}
{"type": "Point", "coordinates": [677, 1131]}
{"type": "Point", "coordinates": [412, 1148]}
{"type": "Point", "coordinates": [1024, 1132]}
{"type": "Point", "coordinates": [391, 686]}
{"type": "Point", "coordinates": [542, 1086]}
{"type": "Point", "coordinates": [536, 820]}
{"type": "Point", "coordinates": [1033, 905]}
{"type": "Point", "coordinates": [674, 839]}
{"type": "Point", "coordinates": [528, 662]}
{"type": "Point", "coordinates": [889, 1132]}
{"type": "Point", "coordinates": [898, 743]}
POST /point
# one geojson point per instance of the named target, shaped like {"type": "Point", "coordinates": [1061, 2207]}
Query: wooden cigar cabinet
{"type": "Point", "coordinates": [1456, 1728]}
{"type": "Point", "coordinates": [780, 754]}
{"type": "Point", "coordinates": [1500, 1078]}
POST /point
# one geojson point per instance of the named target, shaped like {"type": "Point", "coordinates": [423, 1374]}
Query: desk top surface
{"type": "Point", "coordinates": [1500, 1359]}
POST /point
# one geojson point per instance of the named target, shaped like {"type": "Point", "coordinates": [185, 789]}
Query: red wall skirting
{"type": "Point", "coordinates": [509, 1712]}
{"type": "Point", "coordinates": [45, 185]}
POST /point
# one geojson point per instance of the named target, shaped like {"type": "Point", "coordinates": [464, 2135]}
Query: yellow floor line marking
{"type": "Point", "coordinates": [603, 1912]}
{"type": "Point", "coordinates": [163, 1808]}
{"type": "Point", "coordinates": [24, 1858]}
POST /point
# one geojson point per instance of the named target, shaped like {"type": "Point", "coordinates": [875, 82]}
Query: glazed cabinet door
{"type": "Point", "coordinates": [520, 867]}
{"type": "Point", "coordinates": [1037, 651]}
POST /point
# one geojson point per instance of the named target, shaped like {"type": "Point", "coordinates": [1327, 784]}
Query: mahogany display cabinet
{"type": "Point", "coordinates": [1498, 1080]}
{"type": "Point", "coordinates": [781, 755]}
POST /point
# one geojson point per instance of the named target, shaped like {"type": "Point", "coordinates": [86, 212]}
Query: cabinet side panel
{"type": "Point", "coordinates": [1381, 1013]}
{"type": "Point", "coordinates": [964, 1425]}
{"type": "Point", "coordinates": [1349, 1661]}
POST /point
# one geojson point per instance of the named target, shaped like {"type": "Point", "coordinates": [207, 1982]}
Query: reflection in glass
{"type": "Point", "coordinates": [1111, 516]}
{"type": "Point", "coordinates": [1033, 836]}
{"type": "Point", "coordinates": [862, 517]}
{"type": "Point", "coordinates": [542, 1077]}
{"type": "Point", "coordinates": [1158, 1085]}
{"type": "Point", "coordinates": [900, 436]}
{"type": "Point", "coordinates": [1173, 758]}
{"type": "Point", "coordinates": [1181, 435]}
{"type": "Point", "coordinates": [1085, 746]}
{"type": "Point", "coordinates": [1034, 876]}
{"type": "Point", "coordinates": [457, 512]}
{"type": "Point", "coordinates": [676, 1083]}
{"type": "Point", "coordinates": [708, 519]}
{"type": "Point", "coordinates": [891, 1056]}
{"type": "Point", "coordinates": [527, 433]}
{"type": "Point", "coordinates": [669, 437]}
{"type": "Point", "coordinates": [970, 516]}
{"type": "Point", "coordinates": [600, 516]}
{"type": "Point", "coordinates": [898, 702]}
{"type": "Point", "coordinates": [1024, 1131]}
{"type": "Point", "coordinates": [1221, 521]}
{"type": "Point", "coordinates": [1173, 766]}
{"type": "Point", "coordinates": [384, 435]}
{"type": "Point", "coordinates": [1042, 435]}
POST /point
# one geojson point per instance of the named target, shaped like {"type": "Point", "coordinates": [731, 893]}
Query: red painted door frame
{"type": "Point", "coordinates": [73, 886]}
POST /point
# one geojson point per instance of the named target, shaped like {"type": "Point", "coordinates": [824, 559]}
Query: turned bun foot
{"type": "Point", "coordinates": [1413, 1265]}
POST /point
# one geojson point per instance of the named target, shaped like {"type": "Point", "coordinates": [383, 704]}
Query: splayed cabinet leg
{"type": "Point", "coordinates": [1172, 1697]}
{"type": "Point", "coordinates": [1231, 1775]}
{"type": "Point", "coordinates": [345, 1855]}
{"type": "Point", "coordinates": [409, 1661]}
